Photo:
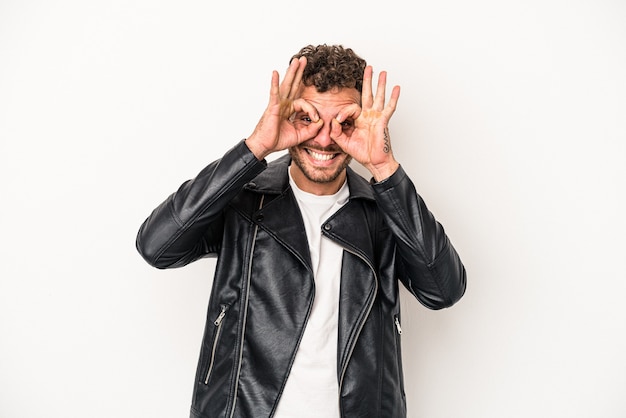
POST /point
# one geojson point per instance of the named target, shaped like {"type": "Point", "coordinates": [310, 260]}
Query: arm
{"type": "Point", "coordinates": [428, 264]}
{"type": "Point", "coordinates": [188, 224]}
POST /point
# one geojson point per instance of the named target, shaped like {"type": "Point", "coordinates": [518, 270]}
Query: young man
{"type": "Point", "coordinates": [304, 314]}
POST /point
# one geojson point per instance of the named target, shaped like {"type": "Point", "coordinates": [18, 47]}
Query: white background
{"type": "Point", "coordinates": [511, 122]}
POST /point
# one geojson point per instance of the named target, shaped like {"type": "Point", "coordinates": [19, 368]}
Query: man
{"type": "Point", "coordinates": [304, 314]}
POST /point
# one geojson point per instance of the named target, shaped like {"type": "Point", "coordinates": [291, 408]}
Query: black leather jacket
{"type": "Point", "coordinates": [243, 211]}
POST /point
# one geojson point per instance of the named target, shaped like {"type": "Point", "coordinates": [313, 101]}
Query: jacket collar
{"type": "Point", "coordinates": [275, 180]}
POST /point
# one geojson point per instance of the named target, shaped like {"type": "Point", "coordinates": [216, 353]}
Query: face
{"type": "Point", "coordinates": [319, 165]}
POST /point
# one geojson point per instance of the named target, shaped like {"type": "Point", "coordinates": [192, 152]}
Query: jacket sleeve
{"type": "Point", "coordinates": [188, 225]}
{"type": "Point", "coordinates": [428, 265]}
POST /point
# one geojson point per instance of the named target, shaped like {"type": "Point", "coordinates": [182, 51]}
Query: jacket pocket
{"type": "Point", "coordinates": [218, 332]}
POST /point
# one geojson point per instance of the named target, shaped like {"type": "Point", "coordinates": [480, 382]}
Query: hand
{"type": "Point", "coordinates": [275, 132]}
{"type": "Point", "coordinates": [369, 142]}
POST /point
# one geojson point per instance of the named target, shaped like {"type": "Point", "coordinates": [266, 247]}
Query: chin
{"type": "Point", "coordinates": [317, 174]}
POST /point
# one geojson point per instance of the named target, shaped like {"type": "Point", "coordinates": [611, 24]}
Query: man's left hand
{"type": "Point", "coordinates": [369, 143]}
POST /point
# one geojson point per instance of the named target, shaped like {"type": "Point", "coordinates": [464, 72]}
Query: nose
{"type": "Point", "coordinates": [323, 135]}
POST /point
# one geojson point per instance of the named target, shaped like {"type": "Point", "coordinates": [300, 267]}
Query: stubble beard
{"type": "Point", "coordinates": [318, 174]}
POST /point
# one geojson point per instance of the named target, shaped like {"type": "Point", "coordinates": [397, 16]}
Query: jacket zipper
{"type": "Point", "coordinates": [245, 315]}
{"type": "Point", "coordinates": [369, 309]}
{"type": "Point", "coordinates": [397, 322]}
{"type": "Point", "coordinates": [218, 324]}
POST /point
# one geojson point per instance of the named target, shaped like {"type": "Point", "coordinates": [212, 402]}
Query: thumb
{"type": "Point", "coordinates": [312, 129]}
{"type": "Point", "coordinates": [336, 132]}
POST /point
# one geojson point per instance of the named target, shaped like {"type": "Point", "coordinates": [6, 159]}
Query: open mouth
{"type": "Point", "coordinates": [320, 156]}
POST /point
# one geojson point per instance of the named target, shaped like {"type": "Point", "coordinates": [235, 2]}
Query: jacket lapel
{"type": "Point", "coordinates": [280, 215]}
{"type": "Point", "coordinates": [282, 219]}
{"type": "Point", "coordinates": [349, 227]}
{"type": "Point", "coordinates": [354, 228]}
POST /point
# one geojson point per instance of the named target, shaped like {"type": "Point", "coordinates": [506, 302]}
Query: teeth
{"type": "Point", "coordinates": [320, 157]}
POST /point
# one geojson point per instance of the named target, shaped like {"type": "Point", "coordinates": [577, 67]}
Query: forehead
{"type": "Point", "coordinates": [330, 100]}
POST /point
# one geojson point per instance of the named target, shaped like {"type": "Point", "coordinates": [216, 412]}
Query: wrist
{"type": "Point", "coordinates": [383, 171]}
{"type": "Point", "coordinates": [259, 152]}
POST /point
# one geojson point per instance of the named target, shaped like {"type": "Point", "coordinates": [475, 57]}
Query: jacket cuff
{"type": "Point", "coordinates": [390, 182]}
{"type": "Point", "coordinates": [248, 156]}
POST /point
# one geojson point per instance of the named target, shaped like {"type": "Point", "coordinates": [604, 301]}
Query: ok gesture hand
{"type": "Point", "coordinates": [369, 143]}
{"type": "Point", "coordinates": [274, 132]}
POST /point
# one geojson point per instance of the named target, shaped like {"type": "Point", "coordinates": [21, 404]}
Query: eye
{"type": "Point", "coordinates": [302, 119]}
{"type": "Point", "coordinates": [347, 124]}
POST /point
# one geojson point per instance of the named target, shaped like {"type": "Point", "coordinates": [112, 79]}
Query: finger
{"type": "Point", "coordinates": [274, 88]}
{"type": "Point", "coordinates": [310, 131]}
{"type": "Point", "coordinates": [290, 75]}
{"type": "Point", "coordinates": [336, 132]}
{"type": "Point", "coordinates": [393, 100]}
{"type": "Point", "coordinates": [301, 105]}
{"type": "Point", "coordinates": [366, 94]}
{"type": "Point", "coordinates": [286, 109]}
{"type": "Point", "coordinates": [295, 85]}
{"type": "Point", "coordinates": [379, 102]}
{"type": "Point", "coordinates": [350, 111]}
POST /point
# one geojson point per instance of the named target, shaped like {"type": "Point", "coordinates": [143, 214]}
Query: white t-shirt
{"type": "Point", "coordinates": [312, 390]}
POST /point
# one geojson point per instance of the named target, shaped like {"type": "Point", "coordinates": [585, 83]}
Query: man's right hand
{"type": "Point", "coordinates": [275, 132]}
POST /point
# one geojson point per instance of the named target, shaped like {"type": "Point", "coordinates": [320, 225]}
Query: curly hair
{"type": "Point", "coordinates": [332, 66]}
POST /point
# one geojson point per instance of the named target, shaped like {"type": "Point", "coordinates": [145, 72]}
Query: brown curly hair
{"type": "Point", "coordinates": [332, 66]}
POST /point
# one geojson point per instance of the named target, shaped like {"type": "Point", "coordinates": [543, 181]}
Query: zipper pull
{"type": "Point", "coordinates": [397, 322]}
{"type": "Point", "coordinates": [221, 316]}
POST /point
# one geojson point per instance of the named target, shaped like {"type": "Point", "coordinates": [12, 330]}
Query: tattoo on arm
{"type": "Point", "coordinates": [387, 146]}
